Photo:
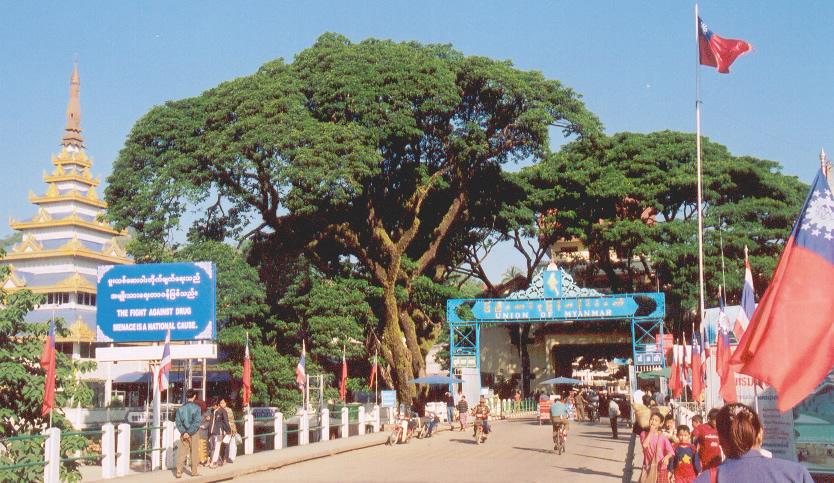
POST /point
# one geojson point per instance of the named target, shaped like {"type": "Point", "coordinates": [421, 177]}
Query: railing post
{"type": "Point", "coordinates": [156, 436]}
{"type": "Point", "coordinates": [52, 455]}
{"type": "Point", "coordinates": [376, 418]}
{"type": "Point", "coordinates": [278, 429]}
{"type": "Point", "coordinates": [325, 425]}
{"type": "Point", "coordinates": [167, 459]}
{"type": "Point", "coordinates": [345, 426]}
{"type": "Point", "coordinates": [108, 451]}
{"type": "Point", "coordinates": [248, 434]}
{"type": "Point", "coordinates": [304, 428]}
{"type": "Point", "coordinates": [361, 423]}
{"type": "Point", "coordinates": [123, 448]}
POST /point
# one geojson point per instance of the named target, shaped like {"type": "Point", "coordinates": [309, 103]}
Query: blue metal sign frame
{"type": "Point", "coordinates": [538, 304]}
{"type": "Point", "coordinates": [141, 303]}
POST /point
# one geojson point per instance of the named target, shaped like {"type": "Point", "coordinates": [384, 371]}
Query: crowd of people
{"type": "Point", "coordinates": [208, 434]}
{"type": "Point", "coordinates": [725, 448]}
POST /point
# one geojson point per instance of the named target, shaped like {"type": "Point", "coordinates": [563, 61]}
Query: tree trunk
{"type": "Point", "coordinates": [525, 359]}
{"type": "Point", "coordinates": [394, 351]}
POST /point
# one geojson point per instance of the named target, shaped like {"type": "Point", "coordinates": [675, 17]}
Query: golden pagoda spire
{"type": "Point", "coordinates": [73, 140]}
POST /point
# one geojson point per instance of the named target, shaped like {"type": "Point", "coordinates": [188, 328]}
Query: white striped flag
{"type": "Point", "coordinates": [301, 368]}
{"type": "Point", "coordinates": [748, 300]}
{"type": "Point", "coordinates": [165, 365]}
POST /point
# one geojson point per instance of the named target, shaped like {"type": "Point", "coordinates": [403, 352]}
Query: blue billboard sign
{"type": "Point", "coordinates": [648, 358]}
{"type": "Point", "coordinates": [600, 307]}
{"type": "Point", "coordinates": [141, 303]}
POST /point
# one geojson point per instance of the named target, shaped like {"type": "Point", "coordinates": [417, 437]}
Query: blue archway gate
{"type": "Point", "coordinates": [552, 297]}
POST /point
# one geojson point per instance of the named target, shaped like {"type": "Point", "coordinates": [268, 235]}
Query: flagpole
{"type": "Point", "coordinates": [702, 309]}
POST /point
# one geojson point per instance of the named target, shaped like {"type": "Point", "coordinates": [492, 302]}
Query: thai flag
{"type": "Point", "coordinates": [301, 368]}
{"type": "Point", "coordinates": [748, 301]}
{"type": "Point", "coordinates": [717, 51]}
{"type": "Point", "coordinates": [164, 365]}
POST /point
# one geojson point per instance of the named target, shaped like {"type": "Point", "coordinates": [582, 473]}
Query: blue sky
{"type": "Point", "coordinates": [633, 61]}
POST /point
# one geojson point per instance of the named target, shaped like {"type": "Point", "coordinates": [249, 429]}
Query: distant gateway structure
{"type": "Point", "coordinates": [553, 296]}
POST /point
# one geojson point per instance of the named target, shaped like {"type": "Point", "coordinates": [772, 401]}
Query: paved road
{"type": "Point", "coordinates": [517, 451]}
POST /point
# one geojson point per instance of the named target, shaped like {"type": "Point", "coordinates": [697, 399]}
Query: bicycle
{"type": "Point", "coordinates": [559, 435]}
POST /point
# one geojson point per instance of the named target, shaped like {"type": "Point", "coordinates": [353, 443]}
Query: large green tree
{"type": "Point", "coordinates": [375, 151]}
{"type": "Point", "coordinates": [631, 199]}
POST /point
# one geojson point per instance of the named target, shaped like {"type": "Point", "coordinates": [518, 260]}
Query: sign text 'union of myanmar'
{"type": "Point", "coordinates": [623, 306]}
{"type": "Point", "coordinates": [143, 302]}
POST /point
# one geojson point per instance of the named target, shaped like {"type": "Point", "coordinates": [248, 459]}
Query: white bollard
{"type": "Point", "coordinates": [361, 418]}
{"type": "Point", "coordinates": [123, 450]}
{"type": "Point", "coordinates": [168, 428]}
{"type": "Point", "coordinates": [376, 418]}
{"type": "Point", "coordinates": [278, 429]}
{"type": "Point", "coordinates": [325, 425]}
{"type": "Point", "coordinates": [345, 423]}
{"type": "Point", "coordinates": [303, 428]}
{"type": "Point", "coordinates": [52, 455]}
{"type": "Point", "coordinates": [108, 451]}
{"type": "Point", "coordinates": [248, 434]}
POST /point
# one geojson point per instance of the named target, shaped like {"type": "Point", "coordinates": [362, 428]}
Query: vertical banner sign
{"type": "Point", "coordinates": [778, 428]}
{"type": "Point", "coordinates": [140, 303]}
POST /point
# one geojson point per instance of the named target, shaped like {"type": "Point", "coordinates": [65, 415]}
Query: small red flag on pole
{"type": "Point", "coordinates": [343, 381]}
{"type": "Point", "coordinates": [48, 363]}
{"type": "Point", "coordinates": [373, 374]}
{"type": "Point", "coordinates": [247, 374]}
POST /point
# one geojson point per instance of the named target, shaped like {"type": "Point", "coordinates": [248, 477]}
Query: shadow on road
{"type": "Point", "coordinates": [629, 462]}
{"type": "Point", "coordinates": [467, 441]}
{"type": "Point", "coordinates": [596, 447]}
{"type": "Point", "coordinates": [537, 450]}
{"type": "Point", "coordinates": [587, 471]}
{"type": "Point", "coordinates": [597, 457]}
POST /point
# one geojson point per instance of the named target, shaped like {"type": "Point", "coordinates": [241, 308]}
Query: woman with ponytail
{"type": "Point", "coordinates": [741, 434]}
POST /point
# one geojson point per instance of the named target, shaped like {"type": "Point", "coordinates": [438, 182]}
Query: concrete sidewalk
{"type": "Point", "coordinates": [263, 461]}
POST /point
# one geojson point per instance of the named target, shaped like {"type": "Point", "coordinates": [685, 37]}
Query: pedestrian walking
{"type": "Point", "coordinates": [188, 424]}
{"type": "Point", "coordinates": [450, 409]}
{"type": "Point", "coordinates": [580, 406]}
{"type": "Point", "coordinates": [684, 465]}
{"type": "Point", "coordinates": [218, 431]}
{"type": "Point", "coordinates": [231, 447]}
{"type": "Point", "coordinates": [613, 414]}
{"type": "Point", "coordinates": [741, 434]}
{"type": "Point", "coordinates": [657, 451]}
{"type": "Point", "coordinates": [463, 411]}
{"type": "Point", "coordinates": [706, 441]}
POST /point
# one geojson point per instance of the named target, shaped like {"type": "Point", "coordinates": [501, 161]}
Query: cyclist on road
{"type": "Point", "coordinates": [481, 414]}
{"type": "Point", "coordinates": [558, 417]}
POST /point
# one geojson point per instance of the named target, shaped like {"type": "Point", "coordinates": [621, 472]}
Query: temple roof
{"type": "Point", "coordinates": [72, 138]}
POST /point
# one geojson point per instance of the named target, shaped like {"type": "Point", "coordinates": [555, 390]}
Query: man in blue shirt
{"type": "Point", "coordinates": [558, 417]}
{"type": "Point", "coordinates": [188, 424]}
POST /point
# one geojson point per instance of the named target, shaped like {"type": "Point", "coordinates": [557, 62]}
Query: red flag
{"type": "Point", "coordinates": [48, 363]}
{"type": "Point", "coordinates": [789, 343]}
{"type": "Point", "coordinates": [717, 51]}
{"type": "Point", "coordinates": [675, 383]}
{"type": "Point", "coordinates": [373, 374]}
{"type": "Point", "coordinates": [343, 381]}
{"type": "Point", "coordinates": [697, 370]}
{"type": "Point", "coordinates": [247, 374]}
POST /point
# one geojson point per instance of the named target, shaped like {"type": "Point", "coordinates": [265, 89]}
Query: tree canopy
{"type": "Point", "coordinates": [377, 151]}
{"type": "Point", "coordinates": [631, 199]}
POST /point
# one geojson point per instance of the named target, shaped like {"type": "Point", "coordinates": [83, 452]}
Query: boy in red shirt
{"type": "Point", "coordinates": [685, 465]}
{"type": "Point", "coordinates": [705, 437]}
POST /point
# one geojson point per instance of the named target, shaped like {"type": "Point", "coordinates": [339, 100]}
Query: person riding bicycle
{"type": "Point", "coordinates": [481, 413]}
{"type": "Point", "coordinates": [558, 417]}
